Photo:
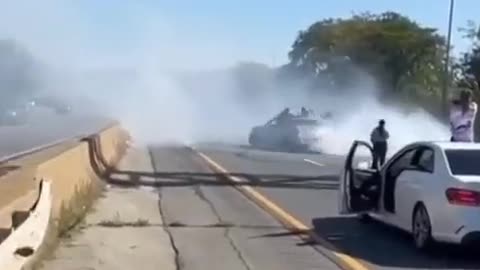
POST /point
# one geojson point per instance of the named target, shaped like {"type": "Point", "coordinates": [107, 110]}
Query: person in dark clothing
{"type": "Point", "coordinates": [379, 138]}
{"type": "Point", "coordinates": [304, 112]}
{"type": "Point", "coordinates": [285, 116]}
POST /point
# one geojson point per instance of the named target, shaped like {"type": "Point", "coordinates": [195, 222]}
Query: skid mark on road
{"type": "Point", "coordinates": [313, 162]}
{"type": "Point", "coordinates": [289, 221]}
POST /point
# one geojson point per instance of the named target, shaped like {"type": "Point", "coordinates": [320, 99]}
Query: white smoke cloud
{"type": "Point", "coordinates": [135, 82]}
{"type": "Point", "coordinates": [403, 127]}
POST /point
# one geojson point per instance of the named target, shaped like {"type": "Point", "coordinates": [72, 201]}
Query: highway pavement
{"type": "Point", "coordinates": [47, 128]}
{"type": "Point", "coordinates": [213, 226]}
{"type": "Point", "coordinates": [215, 221]}
{"type": "Point", "coordinates": [178, 215]}
{"type": "Point", "coordinates": [305, 186]}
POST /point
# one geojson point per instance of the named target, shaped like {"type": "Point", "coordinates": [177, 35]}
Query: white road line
{"type": "Point", "coordinates": [313, 162]}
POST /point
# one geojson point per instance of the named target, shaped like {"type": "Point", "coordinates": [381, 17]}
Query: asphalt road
{"type": "Point", "coordinates": [213, 226]}
{"type": "Point", "coordinates": [306, 186]}
{"type": "Point", "coordinates": [46, 128]}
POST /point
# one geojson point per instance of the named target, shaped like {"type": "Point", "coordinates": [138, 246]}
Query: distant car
{"type": "Point", "coordinates": [63, 109]}
{"type": "Point", "coordinates": [429, 189]}
{"type": "Point", "coordinates": [294, 135]}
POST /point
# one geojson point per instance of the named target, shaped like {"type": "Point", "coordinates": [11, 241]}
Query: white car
{"type": "Point", "coordinates": [429, 189]}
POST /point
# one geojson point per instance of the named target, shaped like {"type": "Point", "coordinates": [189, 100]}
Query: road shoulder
{"type": "Point", "coordinates": [124, 230]}
{"type": "Point", "coordinates": [179, 215]}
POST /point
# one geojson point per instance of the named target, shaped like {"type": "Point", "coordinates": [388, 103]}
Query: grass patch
{"type": "Point", "coordinates": [117, 222]}
{"type": "Point", "coordinates": [73, 213]}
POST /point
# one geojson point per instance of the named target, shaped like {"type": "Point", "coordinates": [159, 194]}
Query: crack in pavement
{"type": "Point", "coordinates": [201, 195]}
{"type": "Point", "coordinates": [220, 224]}
{"type": "Point", "coordinates": [178, 263]}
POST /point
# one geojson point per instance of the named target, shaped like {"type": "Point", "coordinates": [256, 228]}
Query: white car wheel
{"type": "Point", "coordinates": [421, 228]}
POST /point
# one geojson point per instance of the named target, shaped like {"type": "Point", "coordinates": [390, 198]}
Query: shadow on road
{"type": "Point", "coordinates": [133, 179]}
{"type": "Point", "coordinates": [385, 246]}
{"type": "Point", "coordinates": [182, 179]}
{"type": "Point", "coordinates": [379, 245]}
{"type": "Point", "coordinates": [375, 243]}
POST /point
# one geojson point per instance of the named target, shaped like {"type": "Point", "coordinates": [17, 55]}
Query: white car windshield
{"type": "Point", "coordinates": [463, 161]}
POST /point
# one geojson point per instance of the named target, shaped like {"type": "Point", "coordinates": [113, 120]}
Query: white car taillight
{"type": "Point", "coordinates": [464, 197]}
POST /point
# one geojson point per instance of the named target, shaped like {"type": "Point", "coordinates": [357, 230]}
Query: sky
{"type": "Point", "coordinates": [214, 32]}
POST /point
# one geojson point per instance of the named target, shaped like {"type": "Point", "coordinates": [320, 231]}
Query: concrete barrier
{"type": "Point", "coordinates": [72, 168]}
{"type": "Point", "coordinates": [82, 164]}
{"type": "Point", "coordinates": [26, 237]}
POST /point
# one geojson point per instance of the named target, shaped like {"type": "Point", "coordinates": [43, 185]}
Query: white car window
{"type": "Point", "coordinates": [400, 163]}
{"type": "Point", "coordinates": [425, 160]}
{"type": "Point", "coordinates": [463, 161]}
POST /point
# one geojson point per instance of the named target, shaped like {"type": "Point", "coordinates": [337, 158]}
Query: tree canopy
{"type": "Point", "coordinates": [395, 50]}
{"type": "Point", "coordinates": [469, 64]}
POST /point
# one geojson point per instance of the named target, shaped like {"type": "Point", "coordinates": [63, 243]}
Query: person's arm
{"type": "Point", "coordinates": [473, 114]}
{"type": "Point", "coordinates": [372, 135]}
{"type": "Point", "coordinates": [387, 135]}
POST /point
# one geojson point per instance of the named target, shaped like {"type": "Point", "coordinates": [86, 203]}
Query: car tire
{"type": "Point", "coordinates": [421, 228]}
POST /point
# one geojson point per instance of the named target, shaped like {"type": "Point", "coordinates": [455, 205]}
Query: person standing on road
{"type": "Point", "coordinates": [304, 112]}
{"type": "Point", "coordinates": [462, 117]}
{"type": "Point", "coordinates": [379, 138]}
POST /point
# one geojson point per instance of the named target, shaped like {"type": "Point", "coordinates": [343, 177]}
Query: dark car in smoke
{"type": "Point", "coordinates": [296, 134]}
{"type": "Point", "coordinates": [64, 109]}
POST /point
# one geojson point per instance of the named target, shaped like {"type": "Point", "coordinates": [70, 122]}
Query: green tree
{"type": "Point", "coordinates": [469, 65]}
{"type": "Point", "coordinates": [397, 51]}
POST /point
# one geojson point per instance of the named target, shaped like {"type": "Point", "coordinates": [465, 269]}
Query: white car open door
{"type": "Point", "coordinates": [359, 181]}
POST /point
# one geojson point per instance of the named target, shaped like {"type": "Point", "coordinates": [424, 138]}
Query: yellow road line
{"type": "Point", "coordinates": [313, 162]}
{"type": "Point", "coordinates": [283, 216]}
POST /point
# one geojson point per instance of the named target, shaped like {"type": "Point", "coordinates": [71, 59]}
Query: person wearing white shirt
{"type": "Point", "coordinates": [462, 118]}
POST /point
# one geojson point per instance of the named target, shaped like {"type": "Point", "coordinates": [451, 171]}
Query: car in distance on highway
{"type": "Point", "coordinates": [429, 189]}
{"type": "Point", "coordinates": [63, 109]}
{"type": "Point", "coordinates": [296, 134]}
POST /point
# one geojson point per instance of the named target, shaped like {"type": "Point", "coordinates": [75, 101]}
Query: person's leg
{"type": "Point", "coordinates": [376, 155]}
{"type": "Point", "coordinates": [383, 153]}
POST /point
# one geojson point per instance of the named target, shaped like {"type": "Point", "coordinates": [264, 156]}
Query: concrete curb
{"type": "Point", "coordinates": [25, 217]}
{"type": "Point", "coordinates": [24, 240]}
